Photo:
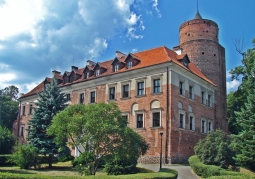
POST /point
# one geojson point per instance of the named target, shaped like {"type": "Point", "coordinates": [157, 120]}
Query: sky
{"type": "Point", "coordinates": [39, 36]}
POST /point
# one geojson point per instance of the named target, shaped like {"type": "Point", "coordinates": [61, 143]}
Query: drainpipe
{"type": "Point", "coordinates": [167, 115]}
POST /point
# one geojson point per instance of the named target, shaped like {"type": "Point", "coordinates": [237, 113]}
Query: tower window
{"type": "Point", "coordinates": [203, 53]}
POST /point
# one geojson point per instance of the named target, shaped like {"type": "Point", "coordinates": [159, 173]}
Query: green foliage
{"type": "Point", "coordinates": [244, 143]}
{"type": "Point", "coordinates": [215, 150]}
{"type": "Point", "coordinates": [7, 140]}
{"type": "Point", "coordinates": [5, 160]}
{"type": "Point", "coordinates": [25, 156]}
{"type": "Point", "coordinates": [84, 158]}
{"type": "Point", "coordinates": [50, 102]}
{"type": "Point", "coordinates": [8, 109]}
{"type": "Point", "coordinates": [208, 170]}
{"type": "Point", "coordinates": [98, 128]}
{"type": "Point", "coordinates": [125, 156]}
{"type": "Point", "coordinates": [64, 154]}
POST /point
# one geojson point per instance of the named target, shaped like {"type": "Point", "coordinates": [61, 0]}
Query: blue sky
{"type": "Point", "coordinates": [38, 36]}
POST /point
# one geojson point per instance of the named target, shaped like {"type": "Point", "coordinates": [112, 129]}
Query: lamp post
{"type": "Point", "coordinates": [160, 160]}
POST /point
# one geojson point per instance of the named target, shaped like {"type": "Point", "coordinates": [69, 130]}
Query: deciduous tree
{"type": "Point", "coordinates": [98, 128]}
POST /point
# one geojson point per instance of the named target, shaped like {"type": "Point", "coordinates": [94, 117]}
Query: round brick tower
{"type": "Point", "coordinates": [199, 39]}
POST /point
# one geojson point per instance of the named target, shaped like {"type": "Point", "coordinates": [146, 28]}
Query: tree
{"type": "Point", "coordinates": [98, 128]}
{"type": "Point", "coordinates": [215, 150]}
{"type": "Point", "coordinates": [11, 91]}
{"type": "Point", "coordinates": [8, 106]}
{"type": "Point", "coordinates": [7, 140]}
{"type": "Point", "coordinates": [245, 140]}
{"type": "Point", "coordinates": [236, 100]}
{"type": "Point", "coordinates": [50, 102]}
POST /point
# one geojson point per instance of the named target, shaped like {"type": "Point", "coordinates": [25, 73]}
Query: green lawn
{"type": "Point", "coordinates": [65, 170]}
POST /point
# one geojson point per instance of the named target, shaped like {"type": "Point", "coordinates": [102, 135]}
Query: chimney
{"type": "Point", "coordinates": [178, 50]}
{"type": "Point", "coordinates": [90, 63]}
{"type": "Point", "coordinates": [55, 73]}
{"type": "Point", "coordinates": [74, 68]}
{"type": "Point", "coordinates": [119, 54]}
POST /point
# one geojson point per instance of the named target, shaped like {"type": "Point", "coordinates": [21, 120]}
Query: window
{"type": "Point", "coordinates": [209, 126]}
{"type": "Point", "coordinates": [81, 98]}
{"type": "Point", "coordinates": [116, 67]}
{"type": "Point", "coordinates": [190, 92]}
{"type": "Point", "coordinates": [181, 88]}
{"type": "Point", "coordinates": [203, 127]}
{"type": "Point", "coordinates": [68, 97]}
{"type": "Point", "coordinates": [191, 123]}
{"type": "Point", "coordinates": [21, 131]}
{"type": "Point", "coordinates": [92, 97]}
{"type": "Point", "coordinates": [125, 117]}
{"type": "Point", "coordinates": [64, 80]}
{"type": "Point", "coordinates": [156, 119]}
{"type": "Point", "coordinates": [139, 121]}
{"type": "Point", "coordinates": [209, 100]}
{"type": "Point", "coordinates": [112, 93]}
{"type": "Point", "coordinates": [203, 97]}
{"type": "Point", "coordinates": [129, 64]}
{"type": "Point", "coordinates": [28, 130]}
{"type": "Point", "coordinates": [30, 109]}
{"type": "Point", "coordinates": [140, 88]}
{"type": "Point", "coordinates": [181, 121]}
{"type": "Point", "coordinates": [156, 85]}
{"type": "Point", "coordinates": [125, 91]}
{"type": "Point", "coordinates": [72, 79]}
{"type": "Point", "coordinates": [97, 72]}
{"type": "Point", "coordinates": [87, 75]}
{"type": "Point", "coordinates": [23, 110]}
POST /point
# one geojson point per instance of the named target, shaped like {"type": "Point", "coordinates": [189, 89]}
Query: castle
{"type": "Point", "coordinates": [180, 93]}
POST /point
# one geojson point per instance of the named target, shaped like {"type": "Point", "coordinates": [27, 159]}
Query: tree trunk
{"type": "Point", "coordinates": [50, 160]}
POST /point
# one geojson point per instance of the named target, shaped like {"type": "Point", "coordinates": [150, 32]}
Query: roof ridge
{"type": "Point", "coordinates": [150, 49]}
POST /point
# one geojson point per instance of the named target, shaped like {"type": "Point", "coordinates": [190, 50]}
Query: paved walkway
{"type": "Point", "coordinates": [184, 172]}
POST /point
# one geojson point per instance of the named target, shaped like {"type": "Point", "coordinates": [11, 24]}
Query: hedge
{"type": "Point", "coordinates": [163, 173]}
{"type": "Point", "coordinates": [209, 170]}
{"type": "Point", "coordinates": [232, 177]}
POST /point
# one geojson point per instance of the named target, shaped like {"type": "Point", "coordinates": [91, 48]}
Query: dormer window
{"type": "Point", "coordinates": [72, 79]}
{"type": "Point", "coordinates": [64, 81]}
{"type": "Point", "coordinates": [97, 72]}
{"type": "Point", "coordinates": [116, 67]}
{"type": "Point", "coordinates": [129, 64]}
{"type": "Point", "coordinates": [87, 75]}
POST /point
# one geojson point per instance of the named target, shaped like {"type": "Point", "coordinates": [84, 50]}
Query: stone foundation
{"type": "Point", "coordinates": [170, 160]}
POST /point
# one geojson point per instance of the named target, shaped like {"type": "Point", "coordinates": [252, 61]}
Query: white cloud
{"type": "Point", "coordinates": [3, 66]}
{"type": "Point", "coordinates": [232, 85]}
{"type": "Point", "coordinates": [155, 6]}
{"type": "Point", "coordinates": [30, 86]}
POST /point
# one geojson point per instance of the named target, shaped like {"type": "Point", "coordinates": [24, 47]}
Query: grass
{"type": "Point", "coordinates": [66, 170]}
{"type": "Point", "coordinates": [246, 170]}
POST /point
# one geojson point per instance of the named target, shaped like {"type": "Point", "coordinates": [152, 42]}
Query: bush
{"type": "Point", "coordinates": [65, 155]}
{"type": "Point", "coordinates": [7, 140]}
{"type": "Point", "coordinates": [25, 156]}
{"type": "Point", "coordinates": [120, 166]}
{"type": "Point", "coordinates": [215, 150]}
{"type": "Point", "coordinates": [208, 170]}
{"type": "Point", "coordinates": [5, 160]}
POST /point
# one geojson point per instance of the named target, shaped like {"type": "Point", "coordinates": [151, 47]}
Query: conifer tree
{"type": "Point", "coordinates": [245, 140]}
{"type": "Point", "coordinates": [50, 102]}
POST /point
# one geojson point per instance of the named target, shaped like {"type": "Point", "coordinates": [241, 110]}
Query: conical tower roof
{"type": "Point", "coordinates": [198, 16]}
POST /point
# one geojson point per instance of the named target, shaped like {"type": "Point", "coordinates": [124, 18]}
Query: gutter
{"type": "Point", "coordinates": [167, 115]}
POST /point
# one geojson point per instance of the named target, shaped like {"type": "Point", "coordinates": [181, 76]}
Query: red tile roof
{"type": "Point", "coordinates": [146, 58]}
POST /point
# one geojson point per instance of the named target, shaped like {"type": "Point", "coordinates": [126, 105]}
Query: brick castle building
{"type": "Point", "coordinates": [180, 92]}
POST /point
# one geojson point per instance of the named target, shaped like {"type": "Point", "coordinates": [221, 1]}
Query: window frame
{"type": "Point", "coordinates": [183, 114]}
{"type": "Point", "coordinates": [115, 67]}
{"type": "Point", "coordinates": [154, 87]}
{"type": "Point", "coordinates": [202, 97]}
{"type": "Point", "coordinates": [191, 123]}
{"type": "Point", "coordinates": [203, 126]}
{"type": "Point", "coordinates": [112, 96]}
{"type": "Point", "coordinates": [126, 114]}
{"type": "Point", "coordinates": [23, 110]}
{"type": "Point", "coordinates": [140, 88]}
{"type": "Point", "coordinates": [81, 98]}
{"type": "Point", "coordinates": [21, 131]}
{"type": "Point", "coordinates": [129, 64]}
{"type": "Point", "coordinates": [97, 72]}
{"type": "Point", "coordinates": [154, 111]}
{"type": "Point", "coordinates": [191, 92]}
{"type": "Point", "coordinates": [210, 129]}
{"type": "Point", "coordinates": [181, 88]}
{"type": "Point", "coordinates": [30, 109]}
{"type": "Point", "coordinates": [92, 99]}
{"type": "Point", "coordinates": [209, 100]}
{"type": "Point", "coordinates": [139, 113]}
{"type": "Point", "coordinates": [142, 120]}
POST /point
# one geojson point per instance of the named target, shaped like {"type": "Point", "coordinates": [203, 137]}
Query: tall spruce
{"type": "Point", "coordinates": [245, 140]}
{"type": "Point", "coordinates": [50, 102]}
